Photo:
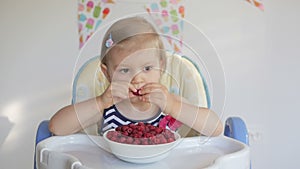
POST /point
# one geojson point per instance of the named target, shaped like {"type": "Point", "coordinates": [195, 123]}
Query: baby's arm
{"type": "Point", "coordinates": [74, 118]}
{"type": "Point", "coordinates": [201, 119]}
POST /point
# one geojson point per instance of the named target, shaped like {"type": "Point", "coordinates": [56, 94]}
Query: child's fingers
{"type": "Point", "coordinates": [119, 90]}
{"type": "Point", "coordinates": [156, 98]}
{"type": "Point", "coordinates": [153, 87]}
{"type": "Point", "coordinates": [132, 88]}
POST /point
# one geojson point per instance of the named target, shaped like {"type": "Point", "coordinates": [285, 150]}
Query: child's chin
{"type": "Point", "coordinates": [131, 95]}
{"type": "Point", "coordinates": [134, 99]}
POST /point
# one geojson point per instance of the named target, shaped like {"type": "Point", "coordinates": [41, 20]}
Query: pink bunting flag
{"type": "Point", "coordinates": [257, 3]}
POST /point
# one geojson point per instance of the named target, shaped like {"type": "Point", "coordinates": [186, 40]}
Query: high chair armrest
{"type": "Point", "coordinates": [236, 128]}
{"type": "Point", "coordinates": [42, 132]}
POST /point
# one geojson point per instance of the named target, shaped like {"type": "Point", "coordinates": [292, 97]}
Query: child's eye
{"type": "Point", "coordinates": [124, 70]}
{"type": "Point", "coordinates": [148, 68]}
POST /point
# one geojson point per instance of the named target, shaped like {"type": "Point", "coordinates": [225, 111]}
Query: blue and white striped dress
{"type": "Point", "coordinates": [112, 118]}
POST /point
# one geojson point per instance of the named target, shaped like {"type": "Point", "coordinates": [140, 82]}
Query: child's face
{"type": "Point", "coordinates": [138, 68]}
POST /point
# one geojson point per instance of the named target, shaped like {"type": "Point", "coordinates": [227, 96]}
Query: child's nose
{"type": "Point", "coordinates": [138, 79]}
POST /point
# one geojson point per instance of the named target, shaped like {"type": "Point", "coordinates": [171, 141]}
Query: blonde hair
{"type": "Point", "coordinates": [131, 34]}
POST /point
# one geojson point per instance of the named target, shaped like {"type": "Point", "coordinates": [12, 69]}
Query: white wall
{"type": "Point", "coordinates": [258, 51]}
{"type": "Point", "coordinates": [261, 63]}
{"type": "Point", "coordinates": [38, 50]}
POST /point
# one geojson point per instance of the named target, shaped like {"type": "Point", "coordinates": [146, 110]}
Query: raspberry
{"type": "Point", "coordinates": [158, 130]}
{"type": "Point", "coordinates": [122, 140]}
{"type": "Point", "coordinates": [163, 140]}
{"type": "Point", "coordinates": [148, 135]}
{"type": "Point", "coordinates": [145, 142]}
{"type": "Point", "coordinates": [129, 130]}
{"type": "Point", "coordinates": [141, 128]}
{"type": "Point", "coordinates": [137, 93]}
{"type": "Point", "coordinates": [129, 140]}
{"type": "Point", "coordinates": [110, 134]}
{"type": "Point", "coordinates": [152, 127]}
{"type": "Point", "coordinates": [125, 133]}
{"type": "Point", "coordinates": [170, 140]}
{"type": "Point", "coordinates": [124, 128]}
{"type": "Point", "coordinates": [141, 134]}
{"type": "Point", "coordinates": [137, 141]}
{"type": "Point", "coordinates": [119, 128]}
{"type": "Point", "coordinates": [147, 129]}
{"type": "Point", "coordinates": [114, 139]}
{"type": "Point", "coordinates": [153, 132]}
{"type": "Point", "coordinates": [156, 140]}
{"type": "Point", "coordinates": [141, 124]}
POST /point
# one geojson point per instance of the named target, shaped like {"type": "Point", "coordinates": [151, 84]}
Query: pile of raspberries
{"type": "Point", "coordinates": [141, 134]}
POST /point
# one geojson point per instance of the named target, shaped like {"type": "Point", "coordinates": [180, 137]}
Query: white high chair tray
{"type": "Point", "coordinates": [81, 151]}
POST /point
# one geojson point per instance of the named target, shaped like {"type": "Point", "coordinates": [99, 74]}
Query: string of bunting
{"type": "Point", "coordinates": [167, 14]}
{"type": "Point", "coordinates": [91, 13]}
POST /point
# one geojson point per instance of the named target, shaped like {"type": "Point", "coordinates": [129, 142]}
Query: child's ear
{"type": "Point", "coordinates": [104, 71]}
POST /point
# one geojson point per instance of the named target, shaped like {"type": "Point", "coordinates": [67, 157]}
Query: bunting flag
{"type": "Point", "coordinates": [91, 13]}
{"type": "Point", "coordinates": [257, 3]}
{"type": "Point", "coordinates": [168, 15]}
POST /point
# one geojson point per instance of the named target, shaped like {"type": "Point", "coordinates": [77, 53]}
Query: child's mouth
{"type": "Point", "coordinates": [137, 93]}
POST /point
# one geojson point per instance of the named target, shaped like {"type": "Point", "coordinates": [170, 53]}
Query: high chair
{"type": "Point", "coordinates": [181, 77]}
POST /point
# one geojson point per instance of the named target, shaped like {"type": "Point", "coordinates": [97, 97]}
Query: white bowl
{"type": "Point", "coordinates": [141, 153]}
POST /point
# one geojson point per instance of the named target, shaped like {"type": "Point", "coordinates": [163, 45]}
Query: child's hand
{"type": "Point", "coordinates": [158, 94]}
{"type": "Point", "coordinates": [117, 91]}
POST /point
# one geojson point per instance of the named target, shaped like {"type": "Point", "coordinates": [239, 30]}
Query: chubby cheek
{"type": "Point", "coordinates": [154, 77]}
{"type": "Point", "coordinates": [120, 77]}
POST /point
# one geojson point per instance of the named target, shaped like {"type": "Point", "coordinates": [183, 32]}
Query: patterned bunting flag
{"type": "Point", "coordinates": [91, 13]}
{"type": "Point", "coordinates": [257, 3]}
{"type": "Point", "coordinates": [168, 15]}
